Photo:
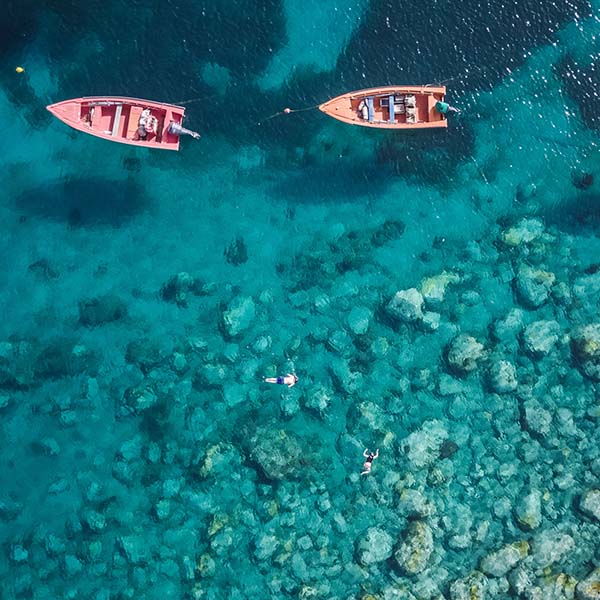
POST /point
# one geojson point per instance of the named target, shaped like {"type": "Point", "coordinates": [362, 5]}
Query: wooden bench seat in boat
{"type": "Point", "coordinates": [370, 108]}
{"type": "Point", "coordinates": [392, 108]}
{"type": "Point", "coordinates": [117, 120]}
{"type": "Point", "coordinates": [134, 121]}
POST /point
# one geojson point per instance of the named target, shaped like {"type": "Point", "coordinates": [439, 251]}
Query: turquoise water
{"type": "Point", "coordinates": [436, 293]}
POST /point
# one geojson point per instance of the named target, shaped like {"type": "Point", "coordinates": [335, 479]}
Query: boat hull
{"type": "Point", "coordinates": [401, 107]}
{"type": "Point", "coordinates": [117, 119]}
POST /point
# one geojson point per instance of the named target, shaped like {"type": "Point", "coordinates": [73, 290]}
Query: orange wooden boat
{"type": "Point", "coordinates": [392, 107]}
{"type": "Point", "coordinates": [125, 120]}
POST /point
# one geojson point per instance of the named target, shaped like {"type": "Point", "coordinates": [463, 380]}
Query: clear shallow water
{"type": "Point", "coordinates": [210, 484]}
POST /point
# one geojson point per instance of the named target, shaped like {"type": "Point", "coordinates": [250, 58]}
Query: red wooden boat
{"type": "Point", "coordinates": [392, 107]}
{"type": "Point", "coordinates": [125, 120]}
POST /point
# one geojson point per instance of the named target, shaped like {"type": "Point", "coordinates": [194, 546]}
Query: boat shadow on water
{"type": "Point", "coordinates": [86, 202]}
{"type": "Point", "coordinates": [328, 183]}
{"type": "Point", "coordinates": [576, 214]}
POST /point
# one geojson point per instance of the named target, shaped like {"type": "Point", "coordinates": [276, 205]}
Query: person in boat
{"type": "Point", "coordinates": [363, 110]}
{"type": "Point", "coordinates": [290, 380]}
{"type": "Point", "coordinates": [370, 457]}
{"type": "Point", "coordinates": [147, 125]}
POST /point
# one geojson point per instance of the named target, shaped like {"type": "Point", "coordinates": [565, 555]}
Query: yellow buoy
{"type": "Point", "coordinates": [20, 70]}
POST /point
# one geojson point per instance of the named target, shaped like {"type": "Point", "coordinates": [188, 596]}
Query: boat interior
{"type": "Point", "coordinates": [395, 108]}
{"type": "Point", "coordinates": [120, 120]}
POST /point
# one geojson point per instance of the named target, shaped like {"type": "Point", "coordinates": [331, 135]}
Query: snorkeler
{"type": "Point", "coordinates": [369, 462]}
{"type": "Point", "coordinates": [290, 380]}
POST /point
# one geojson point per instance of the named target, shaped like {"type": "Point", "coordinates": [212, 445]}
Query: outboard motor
{"type": "Point", "coordinates": [178, 129]}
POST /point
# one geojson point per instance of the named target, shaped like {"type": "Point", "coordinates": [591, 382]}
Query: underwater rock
{"type": "Point", "coordinates": [219, 458]}
{"type": "Point", "coordinates": [422, 447]}
{"type": "Point", "coordinates": [540, 336]}
{"type": "Point", "coordinates": [234, 393]}
{"type": "Point", "coordinates": [375, 546]}
{"type": "Point", "coordinates": [555, 586]}
{"type": "Point", "coordinates": [236, 253]}
{"type": "Point", "coordinates": [340, 342]}
{"type": "Point", "coordinates": [344, 377]}
{"type": "Point", "coordinates": [359, 320]}
{"type": "Point", "coordinates": [549, 547]}
{"type": "Point", "coordinates": [589, 588]}
{"type": "Point", "coordinates": [60, 357]}
{"type": "Point", "coordinates": [538, 420]}
{"type": "Point", "coordinates": [406, 305]}
{"type": "Point", "coordinates": [500, 562]}
{"type": "Point", "coordinates": [590, 504]}
{"type": "Point", "coordinates": [450, 386]}
{"type": "Point", "coordinates": [505, 330]}
{"type": "Point", "coordinates": [433, 289]}
{"type": "Point", "coordinates": [299, 567]}
{"type": "Point", "coordinates": [43, 268]}
{"type": "Point", "coordinates": [322, 303]}
{"type": "Point", "coordinates": [18, 554]}
{"type": "Point", "coordinates": [134, 548]}
{"type": "Point", "coordinates": [54, 546]}
{"type": "Point", "coordinates": [528, 511]}
{"type": "Point", "coordinates": [502, 377]}
{"type": "Point", "coordinates": [413, 554]}
{"type": "Point", "coordinates": [587, 286]}
{"type": "Point", "coordinates": [526, 191]}
{"type": "Point", "coordinates": [101, 310]}
{"type": "Point", "coordinates": [275, 452]}
{"type": "Point", "coordinates": [533, 286]}
{"type": "Point", "coordinates": [179, 362]}
{"type": "Point", "coordinates": [372, 416]}
{"type": "Point", "coordinates": [524, 232]}
{"type": "Point", "coordinates": [162, 509]}
{"type": "Point", "coordinates": [71, 565]}
{"type": "Point", "coordinates": [390, 230]}
{"type": "Point", "coordinates": [463, 353]}
{"type": "Point", "coordinates": [239, 315]}
{"type": "Point", "coordinates": [473, 587]}
{"type": "Point", "coordinates": [521, 580]}
{"type": "Point", "coordinates": [147, 353]}
{"type": "Point", "coordinates": [265, 546]}
{"type": "Point", "coordinates": [431, 321]}
{"type": "Point", "coordinates": [9, 509]}
{"type": "Point", "coordinates": [139, 398]}
{"type": "Point", "coordinates": [179, 286]}
{"type": "Point", "coordinates": [582, 180]}
{"type": "Point", "coordinates": [289, 404]}
{"type": "Point", "coordinates": [49, 446]}
{"type": "Point", "coordinates": [585, 346]}
{"type": "Point", "coordinates": [413, 503]}
{"type": "Point", "coordinates": [318, 400]}
{"type": "Point", "coordinates": [448, 449]}
{"type": "Point", "coordinates": [94, 520]}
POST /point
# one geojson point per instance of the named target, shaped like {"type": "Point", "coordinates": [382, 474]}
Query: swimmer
{"type": "Point", "coordinates": [290, 380]}
{"type": "Point", "coordinates": [369, 462]}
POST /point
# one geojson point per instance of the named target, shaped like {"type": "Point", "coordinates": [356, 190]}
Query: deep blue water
{"type": "Point", "coordinates": [146, 295]}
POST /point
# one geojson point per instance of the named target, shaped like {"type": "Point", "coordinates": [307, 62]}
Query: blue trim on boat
{"type": "Point", "coordinates": [370, 108]}
{"type": "Point", "coordinates": [392, 113]}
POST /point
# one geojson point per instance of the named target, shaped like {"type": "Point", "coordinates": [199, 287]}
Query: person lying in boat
{"type": "Point", "coordinates": [363, 110]}
{"type": "Point", "coordinates": [147, 125]}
